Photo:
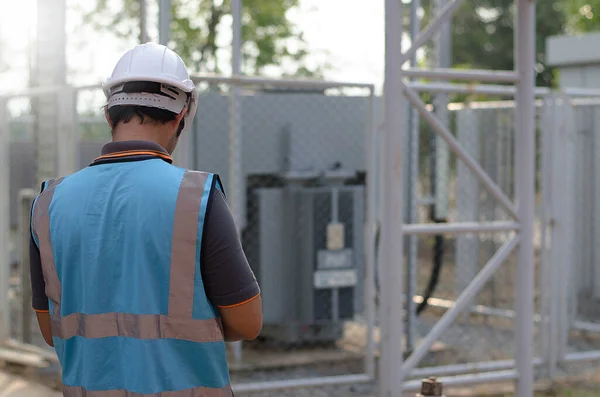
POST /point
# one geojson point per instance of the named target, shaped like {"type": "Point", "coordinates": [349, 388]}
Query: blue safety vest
{"type": "Point", "coordinates": [120, 248]}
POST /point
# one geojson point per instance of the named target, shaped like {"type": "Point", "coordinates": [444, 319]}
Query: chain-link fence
{"type": "Point", "coordinates": [299, 161]}
{"type": "Point", "coordinates": [570, 199]}
{"type": "Point", "coordinates": [293, 158]}
{"type": "Point", "coordinates": [39, 133]}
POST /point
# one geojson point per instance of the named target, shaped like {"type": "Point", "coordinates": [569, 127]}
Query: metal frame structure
{"type": "Point", "coordinates": [397, 93]}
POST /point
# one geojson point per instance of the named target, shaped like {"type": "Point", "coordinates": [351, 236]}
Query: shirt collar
{"type": "Point", "coordinates": [132, 150]}
{"type": "Point", "coordinates": [125, 146]}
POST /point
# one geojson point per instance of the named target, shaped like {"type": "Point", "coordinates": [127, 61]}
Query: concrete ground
{"type": "Point", "coordinates": [13, 386]}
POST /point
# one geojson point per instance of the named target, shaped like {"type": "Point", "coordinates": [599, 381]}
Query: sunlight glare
{"type": "Point", "coordinates": [16, 21]}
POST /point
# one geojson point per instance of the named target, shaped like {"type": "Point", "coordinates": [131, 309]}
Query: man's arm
{"type": "Point", "coordinates": [228, 280]}
{"type": "Point", "coordinates": [38, 290]}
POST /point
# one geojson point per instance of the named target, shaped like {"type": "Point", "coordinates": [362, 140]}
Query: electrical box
{"type": "Point", "coordinates": [305, 245]}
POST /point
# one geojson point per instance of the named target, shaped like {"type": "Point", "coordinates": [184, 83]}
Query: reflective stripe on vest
{"type": "Point", "coordinates": [177, 324]}
{"type": "Point", "coordinates": [70, 391]}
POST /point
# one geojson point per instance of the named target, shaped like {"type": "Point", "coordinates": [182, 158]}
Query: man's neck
{"type": "Point", "coordinates": [132, 131]}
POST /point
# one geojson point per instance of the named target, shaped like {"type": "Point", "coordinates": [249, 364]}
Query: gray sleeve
{"type": "Point", "coordinates": [228, 279]}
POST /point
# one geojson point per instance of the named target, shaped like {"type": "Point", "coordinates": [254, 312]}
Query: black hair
{"type": "Point", "coordinates": [149, 115]}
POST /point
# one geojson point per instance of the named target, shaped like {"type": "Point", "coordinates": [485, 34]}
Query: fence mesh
{"type": "Point", "coordinates": [485, 130]}
{"type": "Point", "coordinates": [300, 204]}
{"type": "Point", "coordinates": [297, 185]}
{"type": "Point", "coordinates": [571, 210]}
{"type": "Point", "coordinates": [302, 211]}
{"type": "Point", "coordinates": [29, 160]}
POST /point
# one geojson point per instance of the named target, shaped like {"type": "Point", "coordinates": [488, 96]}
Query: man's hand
{"type": "Point", "coordinates": [242, 322]}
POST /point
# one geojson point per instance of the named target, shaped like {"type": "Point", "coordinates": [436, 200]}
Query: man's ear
{"type": "Point", "coordinates": [108, 120]}
{"type": "Point", "coordinates": [180, 116]}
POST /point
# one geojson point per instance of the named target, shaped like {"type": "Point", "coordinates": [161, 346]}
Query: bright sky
{"type": "Point", "coordinates": [353, 43]}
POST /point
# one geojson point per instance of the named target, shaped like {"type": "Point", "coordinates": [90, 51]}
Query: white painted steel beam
{"type": "Point", "coordinates": [460, 227]}
{"type": "Point", "coordinates": [370, 232]}
{"type": "Point", "coordinates": [237, 183]}
{"type": "Point", "coordinates": [525, 192]}
{"type": "Point", "coordinates": [490, 76]}
{"type": "Point", "coordinates": [269, 82]}
{"type": "Point", "coordinates": [290, 384]}
{"type": "Point", "coordinates": [392, 249]}
{"type": "Point", "coordinates": [467, 380]}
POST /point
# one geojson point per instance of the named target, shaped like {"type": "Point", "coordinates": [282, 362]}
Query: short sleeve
{"type": "Point", "coordinates": [227, 276]}
{"type": "Point", "coordinates": [39, 300]}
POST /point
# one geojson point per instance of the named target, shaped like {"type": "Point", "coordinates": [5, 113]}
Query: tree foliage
{"type": "Point", "coordinates": [483, 30]}
{"type": "Point", "coordinates": [269, 37]}
{"type": "Point", "coordinates": [582, 15]}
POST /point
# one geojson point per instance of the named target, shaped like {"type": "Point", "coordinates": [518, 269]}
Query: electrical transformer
{"type": "Point", "coordinates": [305, 244]}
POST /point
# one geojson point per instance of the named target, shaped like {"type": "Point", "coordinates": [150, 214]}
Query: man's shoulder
{"type": "Point", "coordinates": [202, 177]}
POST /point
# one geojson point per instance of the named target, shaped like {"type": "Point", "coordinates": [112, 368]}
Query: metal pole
{"type": "Point", "coordinates": [164, 22]}
{"type": "Point", "coordinates": [460, 228]}
{"type": "Point", "coordinates": [548, 329]}
{"type": "Point", "coordinates": [236, 50]}
{"type": "Point", "coordinates": [290, 384]}
{"type": "Point", "coordinates": [371, 157]}
{"type": "Point", "coordinates": [489, 89]}
{"type": "Point", "coordinates": [444, 72]}
{"type": "Point", "coordinates": [4, 222]}
{"type": "Point", "coordinates": [478, 367]}
{"type": "Point", "coordinates": [49, 65]}
{"type": "Point", "coordinates": [26, 197]}
{"type": "Point", "coordinates": [413, 166]}
{"type": "Point", "coordinates": [525, 188]}
{"type": "Point", "coordinates": [443, 44]}
{"type": "Point", "coordinates": [235, 133]}
{"type": "Point", "coordinates": [271, 82]}
{"type": "Point", "coordinates": [469, 379]}
{"type": "Point", "coordinates": [392, 205]}
{"type": "Point", "coordinates": [143, 22]}
{"type": "Point", "coordinates": [68, 138]}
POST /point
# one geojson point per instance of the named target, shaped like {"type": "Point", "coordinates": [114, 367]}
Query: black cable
{"type": "Point", "coordinates": [434, 278]}
{"type": "Point", "coordinates": [438, 248]}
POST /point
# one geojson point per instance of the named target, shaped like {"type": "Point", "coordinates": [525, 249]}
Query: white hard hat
{"type": "Point", "coordinates": [153, 63]}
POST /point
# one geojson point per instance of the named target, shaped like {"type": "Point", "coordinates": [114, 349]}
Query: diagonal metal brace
{"type": "Point", "coordinates": [431, 29]}
{"type": "Point", "coordinates": [453, 143]}
{"type": "Point", "coordinates": [461, 304]}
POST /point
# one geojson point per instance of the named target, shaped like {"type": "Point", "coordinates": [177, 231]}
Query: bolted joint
{"type": "Point", "coordinates": [431, 388]}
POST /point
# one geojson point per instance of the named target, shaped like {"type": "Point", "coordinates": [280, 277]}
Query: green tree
{"type": "Point", "coordinates": [269, 37]}
{"type": "Point", "coordinates": [582, 15]}
{"type": "Point", "coordinates": [483, 31]}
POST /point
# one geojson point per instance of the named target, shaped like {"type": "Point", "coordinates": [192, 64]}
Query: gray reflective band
{"type": "Point", "coordinates": [184, 245]}
{"type": "Point", "coordinates": [71, 391]}
{"type": "Point", "coordinates": [178, 324]}
{"type": "Point", "coordinates": [139, 326]}
{"type": "Point", "coordinates": [41, 222]}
